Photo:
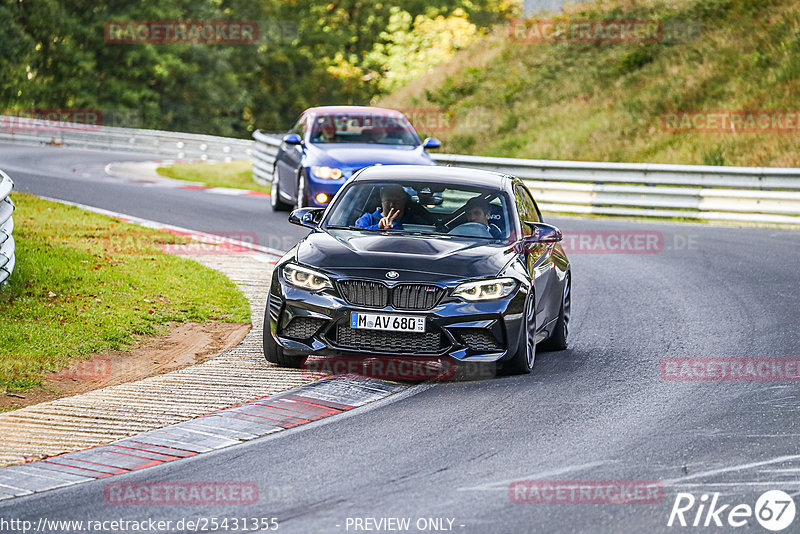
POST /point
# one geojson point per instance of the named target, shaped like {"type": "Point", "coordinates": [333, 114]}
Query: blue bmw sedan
{"type": "Point", "coordinates": [328, 144]}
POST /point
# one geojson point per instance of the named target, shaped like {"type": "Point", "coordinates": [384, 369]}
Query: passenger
{"type": "Point", "coordinates": [478, 210]}
{"type": "Point", "coordinates": [374, 135]}
{"type": "Point", "coordinates": [396, 209]}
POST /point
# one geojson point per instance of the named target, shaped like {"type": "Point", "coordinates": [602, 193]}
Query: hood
{"type": "Point", "coordinates": [372, 254]}
{"type": "Point", "coordinates": [355, 157]}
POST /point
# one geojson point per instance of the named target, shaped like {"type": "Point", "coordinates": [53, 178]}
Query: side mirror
{"type": "Point", "coordinates": [543, 233]}
{"type": "Point", "coordinates": [308, 217]}
{"type": "Point", "coordinates": [431, 142]}
{"type": "Point", "coordinates": [292, 139]}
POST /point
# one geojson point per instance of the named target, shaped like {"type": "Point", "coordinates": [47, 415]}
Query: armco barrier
{"type": "Point", "coordinates": [163, 144]}
{"type": "Point", "coordinates": [7, 257]}
{"type": "Point", "coordinates": [264, 152]}
{"type": "Point", "coordinates": [743, 194]}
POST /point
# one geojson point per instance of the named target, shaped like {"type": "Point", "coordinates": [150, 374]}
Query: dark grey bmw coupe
{"type": "Point", "coordinates": [422, 262]}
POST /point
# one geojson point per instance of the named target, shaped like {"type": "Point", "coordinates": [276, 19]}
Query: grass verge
{"type": "Point", "coordinates": [237, 174]}
{"type": "Point", "coordinates": [84, 283]}
{"type": "Point", "coordinates": [607, 101]}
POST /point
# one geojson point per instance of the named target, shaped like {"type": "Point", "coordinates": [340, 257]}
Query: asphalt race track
{"type": "Point", "coordinates": [444, 455]}
{"type": "Point", "coordinates": [79, 176]}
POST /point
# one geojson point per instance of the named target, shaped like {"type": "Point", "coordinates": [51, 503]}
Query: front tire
{"type": "Point", "coordinates": [302, 191]}
{"type": "Point", "coordinates": [522, 361]}
{"type": "Point", "coordinates": [274, 352]}
{"type": "Point", "coordinates": [560, 337]}
{"type": "Point", "coordinates": [275, 193]}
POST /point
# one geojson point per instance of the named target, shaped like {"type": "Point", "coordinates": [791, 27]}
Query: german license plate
{"type": "Point", "coordinates": [391, 323]}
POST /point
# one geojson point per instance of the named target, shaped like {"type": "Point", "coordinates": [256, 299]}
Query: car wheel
{"type": "Point", "coordinates": [302, 191]}
{"type": "Point", "coordinates": [559, 339]}
{"type": "Point", "coordinates": [274, 352]}
{"type": "Point", "coordinates": [275, 193]}
{"type": "Point", "coordinates": [522, 362]}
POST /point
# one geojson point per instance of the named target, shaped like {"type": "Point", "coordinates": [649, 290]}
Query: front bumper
{"type": "Point", "coordinates": [318, 324]}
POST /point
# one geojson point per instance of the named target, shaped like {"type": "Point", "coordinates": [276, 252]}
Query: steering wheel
{"type": "Point", "coordinates": [471, 229]}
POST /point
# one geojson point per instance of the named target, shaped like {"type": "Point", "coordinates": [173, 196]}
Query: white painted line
{"type": "Point", "coordinates": [734, 484]}
{"type": "Point", "coordinates": [194, 234]}
{"type": "Point", "coordinates": [788, 470]}
{"type": "Point", "coordinates": [227, 191]}
{"type": "Point", "coordinates": [731, 469]}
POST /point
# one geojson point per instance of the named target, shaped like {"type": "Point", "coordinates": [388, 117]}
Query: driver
{"type": "Point", "coordinates": [396, 209]}
{"type": "Point", "coordinates": [327, 130]}
{"type": "Point", "coordinates": [478, 210]}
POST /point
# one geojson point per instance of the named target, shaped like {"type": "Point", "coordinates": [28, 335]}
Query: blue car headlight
{"type": "Point", "coordinates": [326, 173]}
{"type": "Point", "coordinates": [305, 278]}
{"type": "Point", "coordinates": [494, 289]}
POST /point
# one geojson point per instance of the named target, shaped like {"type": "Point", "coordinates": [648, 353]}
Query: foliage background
{"type": "Point", "coordinates": [605, 101]}
{"type": "Point", "coordinates": [53, 54]}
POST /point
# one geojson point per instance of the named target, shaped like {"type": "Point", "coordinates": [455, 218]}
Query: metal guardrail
{"type": "Point", "coordinates": [742, 194]}
{"type": "Point", "coordinates": [7, 255]}
{"type": "Point", "coordinates": [264, 152]}
{"type": "Point", "coordinates": [166, 144]}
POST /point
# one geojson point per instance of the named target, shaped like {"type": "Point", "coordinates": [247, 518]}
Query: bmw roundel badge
{"type": "Point", "coordinates": [392, 274]}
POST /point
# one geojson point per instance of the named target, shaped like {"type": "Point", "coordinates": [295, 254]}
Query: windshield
{"type": "Point", "coordinates": [425, 208]}
{"type": "Point", "coordinates": [371, 128]}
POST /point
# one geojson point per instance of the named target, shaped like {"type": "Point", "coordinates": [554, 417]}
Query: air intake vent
{"type": "Point", "coordinates": [303, 327]}
{"type": "Point", "coordinates": [393, 342]}
{"type": "Point", "coordinates": [479, 340]}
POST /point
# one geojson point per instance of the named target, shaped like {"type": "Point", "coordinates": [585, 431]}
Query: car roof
{"type": "Point", "coordinates": [329, 110]}
{"type": "Point", "coordinates": [428, 173]}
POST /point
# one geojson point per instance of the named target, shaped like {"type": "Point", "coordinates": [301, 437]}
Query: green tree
{"type": "Point", "coordinates": [54, 55]}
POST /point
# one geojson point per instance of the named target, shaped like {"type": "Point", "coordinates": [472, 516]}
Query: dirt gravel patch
{"type": "Point", "coordinates": [186, 344]}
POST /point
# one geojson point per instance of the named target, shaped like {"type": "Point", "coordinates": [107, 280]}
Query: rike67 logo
{"type": "Point", "coordinates": [774, 510]}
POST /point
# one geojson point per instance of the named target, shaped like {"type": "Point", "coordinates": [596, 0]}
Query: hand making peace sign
{"type": "Point", "coordinates": [388, 220]}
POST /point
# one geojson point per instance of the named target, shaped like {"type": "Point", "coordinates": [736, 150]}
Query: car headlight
{"type": "Point", "coordinates": [486, 289]}
{"type": "Point", "coordinates": [306, 278]}
{"type": "Point", "coordinates": [326, 173]}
